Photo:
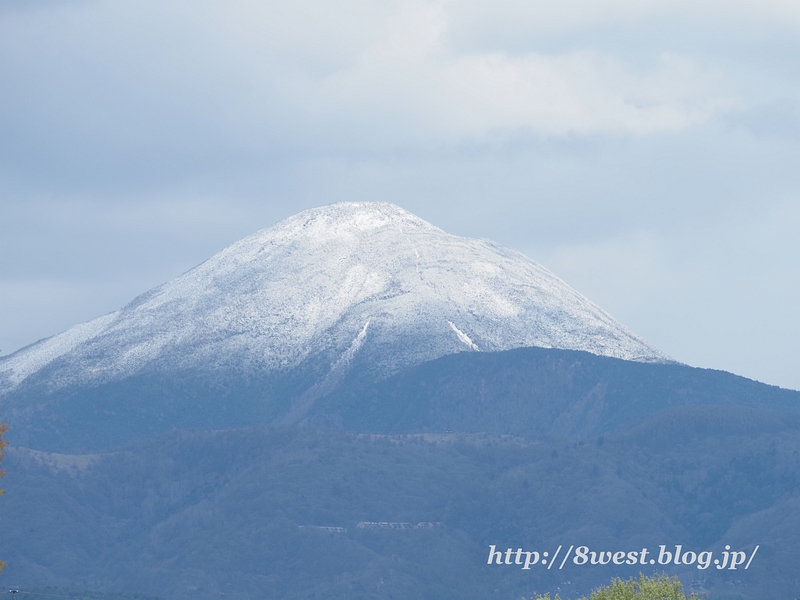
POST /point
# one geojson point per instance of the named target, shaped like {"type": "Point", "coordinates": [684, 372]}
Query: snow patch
{"type": "Point", "coordinates": [348, 355]}
{"type": "Point", "coordinates": [464, 338]}
{"type": "Point", "coordinates": [30, 359]}
{"type": "Point", "coordinates": [303, 403]}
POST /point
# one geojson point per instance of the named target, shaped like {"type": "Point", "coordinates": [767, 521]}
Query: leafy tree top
{"type": "Point", "coordinates": [657, 587]}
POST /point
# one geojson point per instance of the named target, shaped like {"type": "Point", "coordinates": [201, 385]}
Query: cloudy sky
{"type": "Point", "coordinates": [646, 152]}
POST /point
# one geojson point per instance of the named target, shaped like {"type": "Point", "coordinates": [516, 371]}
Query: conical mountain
{"type": "Point", "coordinates": [262, 329]}
{"type": "Point", "coordinates": [333, 282]}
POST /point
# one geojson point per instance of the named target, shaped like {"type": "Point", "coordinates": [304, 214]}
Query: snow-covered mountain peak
{"type": "Point", "coordinates": [349, 281]}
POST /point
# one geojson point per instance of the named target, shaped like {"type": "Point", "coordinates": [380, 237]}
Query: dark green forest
{"type": "Point", "coordinates": [229, 512]}
{"type": "Point", "coordinates": [530, 449]}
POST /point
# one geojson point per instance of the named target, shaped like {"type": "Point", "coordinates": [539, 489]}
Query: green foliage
{"type": "Point", "coordinates": [658, 587]}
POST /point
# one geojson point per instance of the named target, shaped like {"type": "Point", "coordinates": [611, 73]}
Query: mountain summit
{"type": "Point", "coordinates": [332, 284]}
{"type": "Point", "coordinates": [260, 332]}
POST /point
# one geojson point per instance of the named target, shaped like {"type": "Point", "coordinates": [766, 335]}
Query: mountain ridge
{"type": "Point", "coordinates": [332, 282]}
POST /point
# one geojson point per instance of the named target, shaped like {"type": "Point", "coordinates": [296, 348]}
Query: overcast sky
{"type": "Point", "coordinates": [648, 153]}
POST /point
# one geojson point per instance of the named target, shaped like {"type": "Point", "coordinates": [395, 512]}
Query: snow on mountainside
{"type": "Point", "coordinates": [366, 280]}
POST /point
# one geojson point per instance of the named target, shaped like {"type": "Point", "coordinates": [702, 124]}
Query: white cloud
{"type": "Point", "coordinates": [479, 19]}
{"type": "Point", "coordinates": [171, 74]}
{"type": "Point", "coordinates": [417, 85]}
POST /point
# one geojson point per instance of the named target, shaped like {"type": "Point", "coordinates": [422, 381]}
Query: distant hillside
{"type": "Point", "coordinates": [241, 513]}
{"type": "Point", "coordinates": [528, 391]}
{"type": "Point", "coordinates": [534, 391]}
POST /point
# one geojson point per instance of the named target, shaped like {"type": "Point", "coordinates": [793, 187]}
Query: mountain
{"type": "Point", "coordinates": [260, 331]}
{"type": "Point", "coordinates": [534, 392]}
{"type": "Point", "coordinates": [244, 430]}
{"type": "Point", "coordinates": [274, 512]}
